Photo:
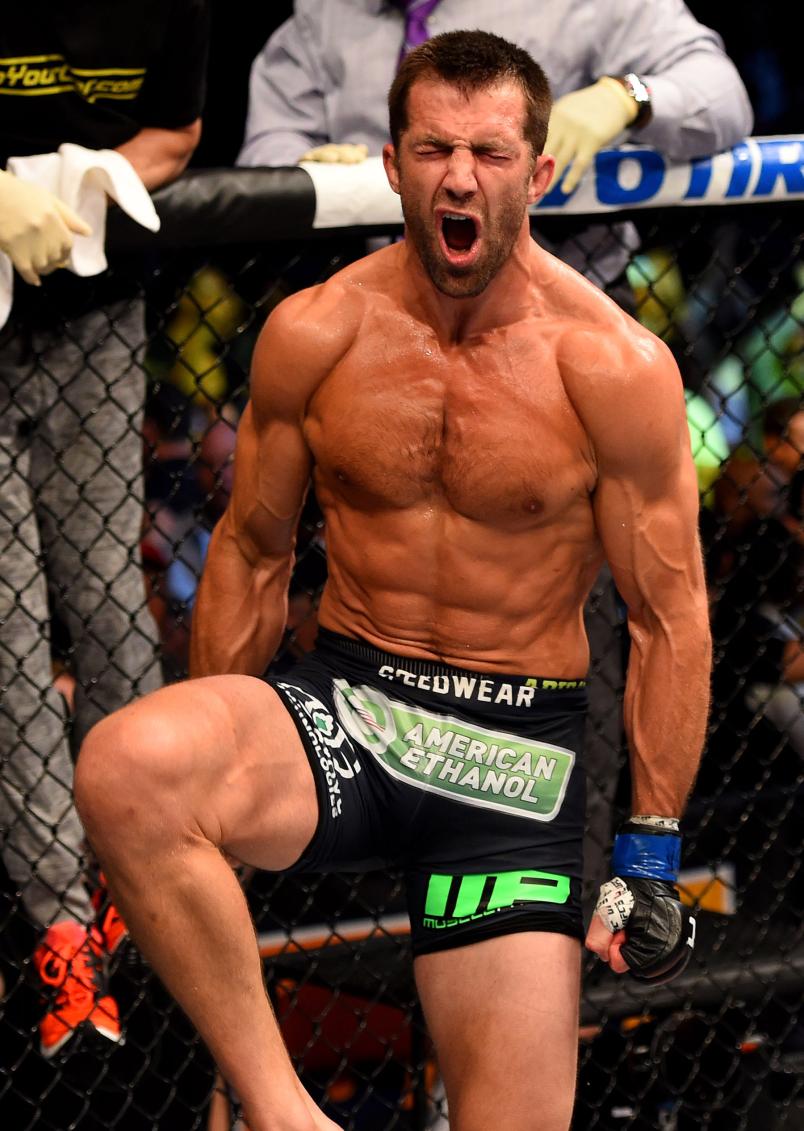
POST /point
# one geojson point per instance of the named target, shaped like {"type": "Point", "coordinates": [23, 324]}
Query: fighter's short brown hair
{"type": "Point", "coordinates": [472, 61]}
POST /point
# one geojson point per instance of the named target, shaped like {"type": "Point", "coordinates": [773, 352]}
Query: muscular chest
{"type": "Point", "coordinates": [488, 429]}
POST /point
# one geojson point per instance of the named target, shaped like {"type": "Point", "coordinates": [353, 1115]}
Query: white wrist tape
{"type": "Point", "coordinates": [615, 903]}
{"type": "Point", "coordinates": [665, 824]}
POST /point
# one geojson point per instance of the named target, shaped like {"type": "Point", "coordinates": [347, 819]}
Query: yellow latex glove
{"type": "Point", "coordinates": [36, 228]}
{"type": "Point", "coordinates": [584, 122]}
{"type": "Point", "coordinates": [346, 153]}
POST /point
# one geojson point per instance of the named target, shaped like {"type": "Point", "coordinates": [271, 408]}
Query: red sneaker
{"type": "Point", "coordinates": [109, 920]}
{"type": "Point", "coordinates": [69, 962]}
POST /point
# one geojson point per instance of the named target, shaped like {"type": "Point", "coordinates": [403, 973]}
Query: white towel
{"type": "Point", "coordinates": [83, 179]}
{"type": "Point", "coordinates": [347, 195]}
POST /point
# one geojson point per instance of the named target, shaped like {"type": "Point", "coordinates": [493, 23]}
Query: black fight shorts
{"type": "Point", "coordinates": [469, 782]}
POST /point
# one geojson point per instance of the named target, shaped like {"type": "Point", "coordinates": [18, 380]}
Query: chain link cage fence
{"type": "Point", "coordinates": [151, 363]}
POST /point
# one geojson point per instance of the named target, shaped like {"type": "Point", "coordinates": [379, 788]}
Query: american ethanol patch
{"type": "Point", "coordinates": [457, 759]}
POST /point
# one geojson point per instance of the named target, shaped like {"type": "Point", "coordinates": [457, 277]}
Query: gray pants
{"type": "Point", "coordinates": [70, 520]}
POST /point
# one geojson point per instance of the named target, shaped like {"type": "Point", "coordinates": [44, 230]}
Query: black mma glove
{"type": "Point", "coordinates": [643, 901]}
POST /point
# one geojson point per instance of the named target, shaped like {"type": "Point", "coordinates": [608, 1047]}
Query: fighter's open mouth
{"type": "Point", "coordinates": [459, 232]}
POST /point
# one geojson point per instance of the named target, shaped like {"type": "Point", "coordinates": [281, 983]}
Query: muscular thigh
{"type": "Point", "coordinates": [503, 1014]}
{"type": "Point", "coordinates": [229, 756]}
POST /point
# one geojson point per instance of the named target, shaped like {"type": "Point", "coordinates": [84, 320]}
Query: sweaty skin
{"type": "Point", "coordinates": [482, 427]}
{"type": "Point", "coordinates": [475, 457]}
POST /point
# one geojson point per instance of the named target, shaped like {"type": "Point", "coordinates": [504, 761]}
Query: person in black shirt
{"type": "Point", "coordinates": [125, 76]}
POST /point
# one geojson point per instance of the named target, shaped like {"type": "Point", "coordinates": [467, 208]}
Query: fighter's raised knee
{"type": "Point", "coordinates": [152, 751]}
{"type": "Point", "coordinates": [213, 757]}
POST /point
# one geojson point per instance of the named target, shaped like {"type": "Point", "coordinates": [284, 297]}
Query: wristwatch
{"type": "Point", "coordinates": [639, 92]}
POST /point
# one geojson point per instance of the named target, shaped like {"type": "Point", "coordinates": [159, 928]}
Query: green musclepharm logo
{"type": "Point", "coordinates": [478, 896]}
{"type": "Point", "coordinates": [454, 757]}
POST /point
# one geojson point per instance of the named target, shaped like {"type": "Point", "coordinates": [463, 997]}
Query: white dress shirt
{"type": "Point", "coordinates": [324, 76]}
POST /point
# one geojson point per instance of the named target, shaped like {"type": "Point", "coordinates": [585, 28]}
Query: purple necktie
{"type": "Point", "coordinates": [416, 15]}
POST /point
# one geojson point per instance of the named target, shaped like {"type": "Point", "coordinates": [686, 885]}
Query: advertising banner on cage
{"type": "Point", "coordinates": [755, 170]}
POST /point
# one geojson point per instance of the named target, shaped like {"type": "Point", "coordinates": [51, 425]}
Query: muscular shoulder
{"type": "Point", "coordinates": [301, 343]}
{"type": "Point", "coordinates": [622, 381]}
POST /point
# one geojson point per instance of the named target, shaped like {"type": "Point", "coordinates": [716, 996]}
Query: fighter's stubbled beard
{"type": "Point", "coordinates": [499, 236]}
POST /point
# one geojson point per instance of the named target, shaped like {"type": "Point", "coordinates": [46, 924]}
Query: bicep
{"type": "Point", "coordinates": [300, 345]}
{"type": "Point", "coordinates": [646, 500]}
{"type": "Point", "coordinates": [272, 472]}
{"type": "Point", "coordinates": [647, 524]}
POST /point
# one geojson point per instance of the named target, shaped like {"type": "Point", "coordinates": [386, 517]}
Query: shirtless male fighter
{"type": "Point", "coordinates": [482, 426]}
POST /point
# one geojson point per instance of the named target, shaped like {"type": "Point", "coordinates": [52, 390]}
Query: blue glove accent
{"type": "Point", "coordinates": [647, 855]}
